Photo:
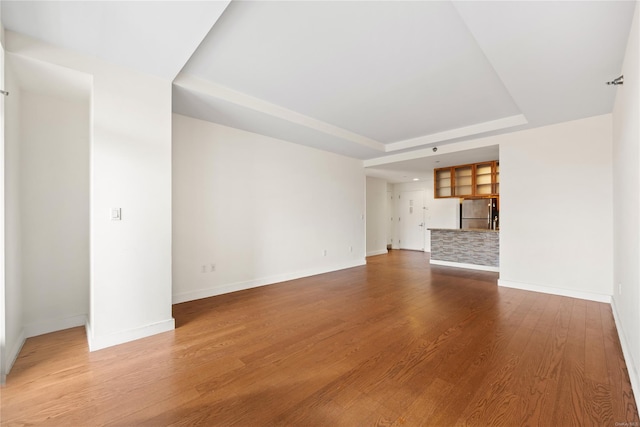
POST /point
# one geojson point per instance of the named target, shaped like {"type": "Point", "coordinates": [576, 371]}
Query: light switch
{"type": "Point", "coordinates": [116, 214]}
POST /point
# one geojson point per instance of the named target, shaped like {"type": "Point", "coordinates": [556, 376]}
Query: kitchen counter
{"type": "Point", "coordinates": [476, 248]}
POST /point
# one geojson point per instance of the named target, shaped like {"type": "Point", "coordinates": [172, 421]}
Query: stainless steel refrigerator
{"type": "Point", "coordinates": [479, 213]}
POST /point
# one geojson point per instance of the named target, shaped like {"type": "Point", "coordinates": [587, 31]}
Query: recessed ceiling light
{"type": "Point", "coordinates": [416, 179]}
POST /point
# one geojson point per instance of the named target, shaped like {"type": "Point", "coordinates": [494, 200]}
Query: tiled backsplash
{"type": "Point", "coordinates": [470, 247]}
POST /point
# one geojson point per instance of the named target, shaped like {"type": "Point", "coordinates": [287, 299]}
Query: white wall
{"type": "Point", "coordinates": [260, 209]}
{"type": "Point", "coordinates": [130, 294]}
{"type": "Point", "coordinates": [14, 324]}
{"type": "Point", "coordinates": [556, 208]}
{"type": "Point", "coordinates": [626, 206]}
{"type": "Point", "coordinates": [3, 329]}
{"type": "Point", "coordinates": [377, 220]}
{"type": "Point", "coordinates": [131, 170]}
{"type": "Point", "coordinates": [54, 211]}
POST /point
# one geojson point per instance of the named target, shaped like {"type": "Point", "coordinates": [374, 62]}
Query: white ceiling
{"type": "Point", "coordinates": [405, 75]}
{"type": "Point", "coordinates": [155, 37]}
{"type": "Point", "coordinates": [373, 68]}
{"type": "Point", "coordinates": [365, 79]}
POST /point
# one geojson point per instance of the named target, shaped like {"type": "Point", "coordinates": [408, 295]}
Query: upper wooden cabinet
{"type": "Point", "coordinates": [474, 180]}
{"type": "Point", "coordinates": [443, 182]}
{"type": "Point", "coordinates": [484, 179]}
{"type": "Point", "coordinates": [463, 177]}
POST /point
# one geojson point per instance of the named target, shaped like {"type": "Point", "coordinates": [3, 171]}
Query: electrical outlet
{"type": "Point", "coordinates": [204, 268]}
{"type": "Point", "coordinates": [350, 248]}
{"type": "Point", "coordinates": [213, 267]}
{"type": "Point", "coordinates": [324, 252]}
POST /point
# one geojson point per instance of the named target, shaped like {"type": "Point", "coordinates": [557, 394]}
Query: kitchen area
{"type": "Point", "coordinates": [476, 242]}
{"type": "Point", "coordinates": [446, 204]}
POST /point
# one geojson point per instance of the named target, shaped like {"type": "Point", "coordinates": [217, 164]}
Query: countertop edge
{"type": "Point", "coordinates": [466, 230]}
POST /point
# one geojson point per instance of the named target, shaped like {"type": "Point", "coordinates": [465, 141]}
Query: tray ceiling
{"type": "Point", "coordinates": [362, 79]}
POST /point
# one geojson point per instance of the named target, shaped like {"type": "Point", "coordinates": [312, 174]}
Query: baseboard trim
{"type": "Point", "coordinates": [14, 352]}
{"type": "Point", "coordinates": [379, 252]}
{"type": "Point", "coordinates": [241, 286]}
{"type": "Point", "coordinates": [590, 296]}
{"type": "Point", "coordinates": [53, 325]}
{"type": "Point", "coordinates": [465, 265]}
{"type": "Point", "coordinates": [626, 353]}
{"type": "Point", "coordinates": [110, 340]}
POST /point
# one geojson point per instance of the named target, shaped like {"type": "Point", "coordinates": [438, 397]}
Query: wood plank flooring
{"type": "Point", "coordinates": [397, 342]}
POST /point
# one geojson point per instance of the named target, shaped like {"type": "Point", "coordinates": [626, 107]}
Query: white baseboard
{"type": "Point", "coordinates": [590, 296]}
{"type": "Point", "coordinates": [379, 252]}
{"type": "Point", "coordinates": [465, 265]}
{"type": "Point", "coordinates": [104, 341]}
{"type": "Point", "coordinates": [626, 352]}
{"type": "Point", "coordinates": [14, 351]}
{"type": "Point", "coordinates": [53, 325]}
{"type": "Point", "coordinates": [240, 286]}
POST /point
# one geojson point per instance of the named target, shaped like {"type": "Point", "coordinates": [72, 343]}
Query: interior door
{"type": "Point", "coordinates": [411, 220]}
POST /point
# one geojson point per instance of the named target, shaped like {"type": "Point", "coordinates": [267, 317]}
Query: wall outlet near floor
{"type": "Point", "coordinates": [208, 268]}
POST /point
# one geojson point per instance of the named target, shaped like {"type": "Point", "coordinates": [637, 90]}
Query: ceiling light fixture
{"type": "Point", "coordinates": [618, 81]}
{"type": "Point", "coordinates": [416, 179]}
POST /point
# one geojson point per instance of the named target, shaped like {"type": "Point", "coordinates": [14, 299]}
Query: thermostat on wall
{"type": "Point", "coordinates": [116, 214]}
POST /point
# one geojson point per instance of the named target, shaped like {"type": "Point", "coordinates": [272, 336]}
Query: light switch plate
{"type": "Point", "coordinates": [116, 214]}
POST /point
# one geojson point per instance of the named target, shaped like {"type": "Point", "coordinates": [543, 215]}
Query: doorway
{"type": "Point", "coordinates": [411, 220]}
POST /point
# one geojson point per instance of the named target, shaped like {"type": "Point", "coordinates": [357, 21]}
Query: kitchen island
{"type": "Point", "coordinates": [478, 249]}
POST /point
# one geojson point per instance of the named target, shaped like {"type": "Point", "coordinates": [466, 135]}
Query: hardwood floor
{"type": "Point", "coordinates": [397, 342]}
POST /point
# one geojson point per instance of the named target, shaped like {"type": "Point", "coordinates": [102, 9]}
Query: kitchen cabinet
{"type": "Point", "coordinates": [484, 179]}
{"type": "Point", "coordinates": [473, 180]}
{"type": "Point", "coordinates": [442, 178]}
{"type": "Point", "coordinates": [463, 180]}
